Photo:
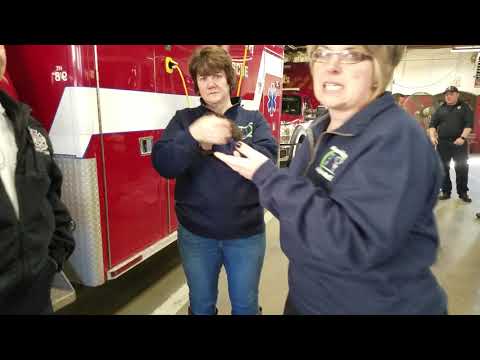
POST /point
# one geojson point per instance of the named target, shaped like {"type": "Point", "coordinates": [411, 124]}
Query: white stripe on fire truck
{"type": "Point", "coordinates": [122, 111]}
{"type": "Point", "coordinates": [76, 119]}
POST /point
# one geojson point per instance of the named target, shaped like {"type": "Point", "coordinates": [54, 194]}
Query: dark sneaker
{"type": "Point", "coordinates": [477, 215]}
{"type": "Point", "coordinates": [465, 198]}
{"type": "Point", "coordinates": [444, 196]}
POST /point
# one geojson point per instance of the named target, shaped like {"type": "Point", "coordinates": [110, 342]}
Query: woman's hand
{"type": "Point", "coordinates": [211, 129]}
{"type": "Point", "coordinates": [247, 165]}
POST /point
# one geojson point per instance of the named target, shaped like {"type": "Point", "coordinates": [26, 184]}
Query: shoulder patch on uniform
{"type": "Point", "coordinates": [247, 131]}
{"type": "Point", "coordinates": [329, 163]}
{"type": "Point", "coordinates": [39, 141]}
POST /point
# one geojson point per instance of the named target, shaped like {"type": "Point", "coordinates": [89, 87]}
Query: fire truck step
{"type": "Point", "coordinates": [62, 292]}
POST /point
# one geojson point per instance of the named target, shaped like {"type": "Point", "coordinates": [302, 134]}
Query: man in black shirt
{"type": "Point", "coordinates": [449, 128]}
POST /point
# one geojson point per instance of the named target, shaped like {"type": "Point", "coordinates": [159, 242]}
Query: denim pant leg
{"type": "Point", "coordinates": [243, 260]}
{"type": "Point", "coordinates": [201, 260]}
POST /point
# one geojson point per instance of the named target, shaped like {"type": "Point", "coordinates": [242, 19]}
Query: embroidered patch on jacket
{"type": "Point", "coordinates": [330, 162]}
{"type": "Point", "coordinates": [39, 141]}
{"type": "Point", "coordinates": [247, 131]}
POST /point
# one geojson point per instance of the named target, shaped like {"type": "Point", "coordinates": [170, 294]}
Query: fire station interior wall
{"type": "Point", "coordinates": [433, 70]}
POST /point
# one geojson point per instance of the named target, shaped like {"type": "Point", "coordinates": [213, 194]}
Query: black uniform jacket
{"type": "Point", "coordinates": [43, 231]}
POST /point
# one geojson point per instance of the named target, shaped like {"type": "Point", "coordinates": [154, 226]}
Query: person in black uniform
{"type": "Point", "coordinates": [35, 226]}
{"type": "Point", "coordinates": [449, 128]}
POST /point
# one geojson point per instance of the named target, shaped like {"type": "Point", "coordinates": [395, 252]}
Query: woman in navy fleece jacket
{"type": "Point", "coordinates": [356, 205]}
{"type": "Point", "coordinates": [219, 213]}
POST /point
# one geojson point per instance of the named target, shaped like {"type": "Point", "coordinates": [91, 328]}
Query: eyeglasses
{"type": "Point", "coordinates": [344, 56]}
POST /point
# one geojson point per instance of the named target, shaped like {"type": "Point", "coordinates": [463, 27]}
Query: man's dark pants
{"type": "Point", "coordinates": [459, 153]}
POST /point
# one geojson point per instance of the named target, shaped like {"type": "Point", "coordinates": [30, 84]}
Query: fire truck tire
{"type": "Point", "coordinates": [298, 142]}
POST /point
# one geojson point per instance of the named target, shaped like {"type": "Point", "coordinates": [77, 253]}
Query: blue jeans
{"type": "Point", "coordinates": [202, 260]}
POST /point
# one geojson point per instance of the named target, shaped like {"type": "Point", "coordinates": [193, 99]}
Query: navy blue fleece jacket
{"type": "Point", "coordinates": [211, 200]}
{"type": "Point", "coordinates": [358, 228]}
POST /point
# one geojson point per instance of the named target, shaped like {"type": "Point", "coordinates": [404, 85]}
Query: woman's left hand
{"type": "Point", "coordinates": [246, 166]}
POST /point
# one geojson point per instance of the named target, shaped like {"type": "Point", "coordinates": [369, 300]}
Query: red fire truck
{"type": "Point", "coordinates": [299, 107]}
{"type": "Point", "coordinates": [104, 106]}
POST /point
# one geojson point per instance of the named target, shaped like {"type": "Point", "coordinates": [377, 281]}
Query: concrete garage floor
{"type": "Point", "coordinates": [458, 264]}
{"type": "Point", "coordinates": [158, 285]}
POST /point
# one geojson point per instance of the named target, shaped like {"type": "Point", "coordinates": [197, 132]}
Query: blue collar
{"type": "Point", "coordinates": [361, 119]}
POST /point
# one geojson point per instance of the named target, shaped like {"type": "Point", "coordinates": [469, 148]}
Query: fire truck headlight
{"type": "Point", "coordinates": [285, 133]}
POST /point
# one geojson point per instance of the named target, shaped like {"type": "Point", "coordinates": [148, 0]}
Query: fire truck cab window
{"type": "Point", "coordinates": [291, 105]}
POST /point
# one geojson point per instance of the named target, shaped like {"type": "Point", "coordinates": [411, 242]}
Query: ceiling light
{"type": "Point", "coordinates": [469, 48]}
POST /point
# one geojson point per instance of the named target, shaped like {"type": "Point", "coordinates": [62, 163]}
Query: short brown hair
{"type": "Point", "coordinates": [385, 58]}
{"type": "Point", "coordinates": [209, 60]}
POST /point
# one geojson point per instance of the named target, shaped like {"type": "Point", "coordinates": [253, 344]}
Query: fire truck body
{"type": "Point", "coordinates": [104, 107]}
{"type": "Point", "coordinates": [299, 107]}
